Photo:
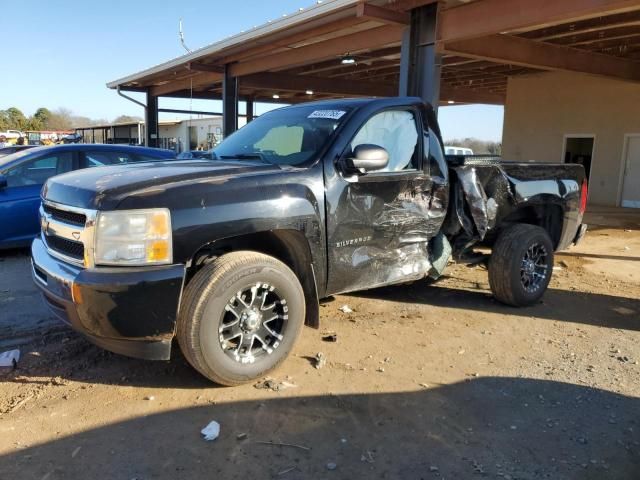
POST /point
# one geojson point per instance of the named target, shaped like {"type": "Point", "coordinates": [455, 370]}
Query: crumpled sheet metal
{"type": "Point", "coordinates": [385, 266]}
{"type": "Point", "coordinates": [482, 207]}
{"type": "Point", "coordinates": [396, 246]}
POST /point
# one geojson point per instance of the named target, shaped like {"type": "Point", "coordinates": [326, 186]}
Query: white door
{"type": "Point", "coordinates": [631, 186]}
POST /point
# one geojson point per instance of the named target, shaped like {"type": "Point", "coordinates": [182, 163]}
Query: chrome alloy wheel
{"type": "Point", "coordinates": [533, 271]}
{"type": "Point", "coordinates": [253, 323]}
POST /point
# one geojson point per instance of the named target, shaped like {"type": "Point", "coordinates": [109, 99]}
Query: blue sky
{"type": "Point", "coordinates": [62, 54]}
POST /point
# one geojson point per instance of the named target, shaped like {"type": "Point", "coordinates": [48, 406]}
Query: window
{"type": "Point", "coordinates": [38, 170]}
{"type": "Point", "coordinates": [437, 164]}
{"type": "Point", "coordinates": [143, 157]}
{"type": "Point", "coordinates": [101, 158]}
{"type": "Point", "coordinates": [396, 132]}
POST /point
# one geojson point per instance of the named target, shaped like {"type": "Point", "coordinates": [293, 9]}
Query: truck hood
{"type": "Point", "coordinates": [103, 188]}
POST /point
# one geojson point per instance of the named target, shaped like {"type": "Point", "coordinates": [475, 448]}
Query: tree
{"type": "Point", "coordinates": [127, 119]}
{"type": "Point", "coordinates": [60, 119]}
{"type": "Point", "coordinates": [4, 120]}
{"type": "Point", "coordinates": [40, 119]}
{"type": "Point", "coordinates": [15, 119]}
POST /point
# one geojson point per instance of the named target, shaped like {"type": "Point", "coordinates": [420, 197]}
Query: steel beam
{"type": "Point", "coordinates": [151, 121]}
{"type": "Point", "coordinates": [488, 17]}
{"type": "Point", "coordinates": [196, 81]}
{"type": "Point", "coordinates": [229, 102]}
{"type": "Point", "coordinates": [420, 63]}
{"type": "Point", "coordinates": [299, 83]}
{"type": "Point", "coordinates": [545, 56]}
{"type": "Point", "coordinates": [370, 39]}
{"type": "Point", "coordinates": [249, 107]}
{"type": "Point", "coordinates": [383, 15]}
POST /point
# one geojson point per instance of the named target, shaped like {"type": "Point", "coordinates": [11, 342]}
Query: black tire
{"type": "Point", "coordinates": [215, 297]}
{"type": "Point", "coordinates": [512, 278]}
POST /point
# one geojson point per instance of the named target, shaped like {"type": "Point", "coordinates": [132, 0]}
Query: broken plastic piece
{"type": "Point", "coordinates": [211, 431]}
{"type": "Point", "coordinates": [9, 358]}
{"type": "Point", "coordinates": [320, 360]}
{"type": "Point", "coordinates": [440, 253]}
{"type": "Point", "coordinates": [345, 309]}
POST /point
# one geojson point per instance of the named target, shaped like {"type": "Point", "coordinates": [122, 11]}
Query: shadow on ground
{"type": "Point", "coordinates": [560, 305]}
{"type": "Point", "coordinates": [621, 258]}
{"type": "Point", "coordinates": [493, 427]}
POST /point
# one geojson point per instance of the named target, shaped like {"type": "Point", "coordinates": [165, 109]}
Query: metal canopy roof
{"type": "Point", "coordinates": [483, 43]}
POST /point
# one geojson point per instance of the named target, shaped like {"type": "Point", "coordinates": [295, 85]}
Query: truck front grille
{"type": "Point", "coordinates": [66, 247]}
{"type": "Point", "coordinates": [68, 232]}
{"type": "Point", "coordinates": [66, 216]}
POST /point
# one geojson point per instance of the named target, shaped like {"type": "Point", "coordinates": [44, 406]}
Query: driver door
{"type": "Point", "coordinates": [378, 223]}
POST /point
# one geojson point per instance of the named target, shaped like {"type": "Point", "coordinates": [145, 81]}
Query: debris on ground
{"type": "Point", "coordinates": [330, 338]}
{"type": "Point", "coordinates": [150, 398]}
{"type": "Point", "coordinates": [331, 466]}
{"type": "Point", "coordinates": [320, 360]}
{"type": "Point", "coordinates": [242, 436]}
{"type": "Point", "coordinates": [10, 358]}
{"type": "Point", "coordinates": [211, 431]}
{"type": "Point", "coordinates": [273, 385]}
{"type": "Point", "coordinates": [367, 457]}
{"type": "Point", "coordinates": [279, 444]}
{"type": "Point", "coordinates": [346, 309]}
{"type": "Point", "coordinates": [563, 264]}
{"type": "Point", "coordinates": [287, 470]}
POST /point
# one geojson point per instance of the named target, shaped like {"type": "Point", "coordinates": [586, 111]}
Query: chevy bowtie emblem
{"type": "Point", "coordinates": [76, 235]}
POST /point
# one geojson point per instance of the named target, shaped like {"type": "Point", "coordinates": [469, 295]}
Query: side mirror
{"type": "Point", "coordinates": [3, 181]}
{"type": "Point", "coordinates": [368, 157]}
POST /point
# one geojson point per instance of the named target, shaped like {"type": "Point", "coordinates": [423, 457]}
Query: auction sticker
{"type": "Point", "coordinates": [331, 114]}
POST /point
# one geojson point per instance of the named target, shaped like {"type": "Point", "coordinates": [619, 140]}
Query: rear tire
{"type": "Point", "coordinates": [521, 265]}
{"type": "Point", "coordinates": [225, 326]}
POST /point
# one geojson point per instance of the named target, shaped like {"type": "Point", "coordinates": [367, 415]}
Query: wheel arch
{"type": "Point", "coordinates": [287, 245]}
{"type": "Point", "coordinates": [548, 215]}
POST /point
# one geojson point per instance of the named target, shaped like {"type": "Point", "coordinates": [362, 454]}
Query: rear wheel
{"type": "Point", "coordinates": [240, 317]}
{"type": "Point", "coordinates": [521, 264]}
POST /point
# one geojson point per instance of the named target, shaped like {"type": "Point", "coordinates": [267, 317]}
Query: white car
{"type": "Point", "coordinates": [12, 134]}
{"type": "Point", "coordinates": [457, 151]}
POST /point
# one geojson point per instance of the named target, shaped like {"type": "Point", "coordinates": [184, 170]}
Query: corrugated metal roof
{"type": "Point", "coordinates": [319, 9]}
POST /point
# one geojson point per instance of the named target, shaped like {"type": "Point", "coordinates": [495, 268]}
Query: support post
{"type": "Point", "coordinates": [249, 103]}
{"type": "Point", "coordinates": [420, 64]}
{"type": "Point", "coordinates": [151, 121]}
{"type": "Point", "coordinates": [229, 102]}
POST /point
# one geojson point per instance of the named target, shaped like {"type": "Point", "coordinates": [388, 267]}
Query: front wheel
{"type": "Point", "coordinates": [240, 317]}
{"type": "Point", "coordinates": [521, 264]}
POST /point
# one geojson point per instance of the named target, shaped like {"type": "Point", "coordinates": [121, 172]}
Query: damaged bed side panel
{"type": "Point", "coordinates": [485, 195]}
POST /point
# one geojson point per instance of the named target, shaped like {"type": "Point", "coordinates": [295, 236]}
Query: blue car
{"type": "Point", "coordinates": [22, 175]}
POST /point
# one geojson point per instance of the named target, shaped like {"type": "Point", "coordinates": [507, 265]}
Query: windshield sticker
{"type": "Point", "coordinates": [331, 114]}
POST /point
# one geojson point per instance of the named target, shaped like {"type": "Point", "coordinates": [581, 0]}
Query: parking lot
{"type": "Point", "coordinates": [423, 381]}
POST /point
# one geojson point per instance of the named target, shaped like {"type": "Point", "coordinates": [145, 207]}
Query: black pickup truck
{"type": "Point", "coordinates": [232, 255]}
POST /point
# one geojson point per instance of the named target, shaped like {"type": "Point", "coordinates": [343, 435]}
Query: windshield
{"type": "Point", "coordinates": [288, 136]}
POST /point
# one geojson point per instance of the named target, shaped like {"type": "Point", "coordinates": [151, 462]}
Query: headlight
{"type": "Point", "coordinates": [133, 237]}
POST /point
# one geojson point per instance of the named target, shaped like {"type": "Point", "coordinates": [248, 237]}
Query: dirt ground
{"type": "Point", "coordinates": [425, 381]}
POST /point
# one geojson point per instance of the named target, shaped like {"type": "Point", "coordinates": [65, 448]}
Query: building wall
{"type": "Point", "coordinates": [541, 109]}
{"type": "Point", "coordinates": [203, 126]}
